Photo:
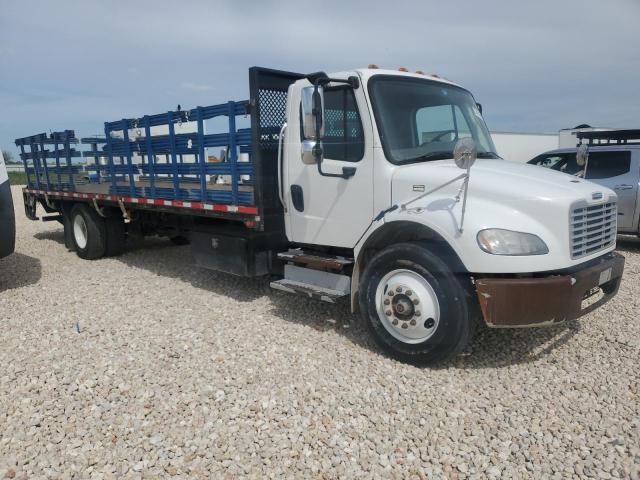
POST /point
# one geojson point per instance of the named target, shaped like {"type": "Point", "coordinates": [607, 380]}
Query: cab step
{"type": "Point", "coordinates": [315, 260]}
{"type": "Point", "coordinates": [325, 286]}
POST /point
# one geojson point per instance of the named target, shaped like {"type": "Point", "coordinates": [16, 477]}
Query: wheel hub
{"type": "Point", "coordinates": [402, 307]}
{"type": "Point", "coordinates": [407, 306]}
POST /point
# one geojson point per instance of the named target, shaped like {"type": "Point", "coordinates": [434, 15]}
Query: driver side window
{"type": "Point", "coordinates": [343, 132]}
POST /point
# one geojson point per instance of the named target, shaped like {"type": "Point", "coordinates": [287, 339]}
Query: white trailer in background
{"type": "Point", "coordinates": [522, 147]}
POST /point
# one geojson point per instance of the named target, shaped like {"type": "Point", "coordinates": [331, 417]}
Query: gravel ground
{"type": "Point", "coordinates": [178, 371]}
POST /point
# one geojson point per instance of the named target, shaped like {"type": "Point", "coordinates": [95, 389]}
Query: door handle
{"type": "Point", "coordinates": [623, 187]}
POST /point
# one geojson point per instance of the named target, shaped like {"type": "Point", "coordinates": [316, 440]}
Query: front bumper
{"type": "Point", "coordinates": [530, 302]}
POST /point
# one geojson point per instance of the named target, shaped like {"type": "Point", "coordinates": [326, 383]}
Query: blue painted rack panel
{"type": "Point", "coordinates": [166, 156]}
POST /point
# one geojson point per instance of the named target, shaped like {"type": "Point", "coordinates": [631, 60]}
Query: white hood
{"type": "Point", "coordinates": [502, 194]}
{"type": "Point", "coordinates": [513, 182]}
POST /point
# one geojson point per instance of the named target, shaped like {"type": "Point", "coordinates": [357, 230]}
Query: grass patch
{"type": "Point", "coordinates": [17, 178]}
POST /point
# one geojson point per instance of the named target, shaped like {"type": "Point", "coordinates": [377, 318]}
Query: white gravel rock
{"type": "Point", "coordinates": [182, 372]}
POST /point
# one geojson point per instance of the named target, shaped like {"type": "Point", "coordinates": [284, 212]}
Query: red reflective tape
{"type": "Point", "coordinates": [219, 208]}
{"type": "Point", "coordinates": [177, 203]}
{"type": "Point", "coordinates": [197, 205]}
{"type": "Point", "coordinates": [251, 210]}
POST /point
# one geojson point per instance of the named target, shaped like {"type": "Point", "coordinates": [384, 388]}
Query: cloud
{"type": "Point", "coordinates": [196, 87]}
{"type": "Point", "coordinates": [535, 66]}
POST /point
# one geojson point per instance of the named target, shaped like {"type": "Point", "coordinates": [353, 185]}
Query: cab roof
{"type": "Point", "coordinates": [367, 73]}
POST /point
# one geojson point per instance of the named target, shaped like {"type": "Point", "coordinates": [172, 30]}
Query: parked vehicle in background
{"type": "Point", "coordinates": [361, 185]}
{"type": "Point", "coordinates": [7, 216]}
{"type": "Point", "coordinates": [613, 162]}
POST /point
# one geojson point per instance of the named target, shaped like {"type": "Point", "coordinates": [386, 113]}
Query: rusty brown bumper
{"type": "Point", "coordinates": [526, 302]}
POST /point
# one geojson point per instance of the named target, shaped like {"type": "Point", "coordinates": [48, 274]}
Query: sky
{"type": "Point", "coordinates": [536, 66]}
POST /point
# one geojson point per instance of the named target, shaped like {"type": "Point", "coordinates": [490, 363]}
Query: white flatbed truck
{"type": "Point", "coordinates": [378, 186]}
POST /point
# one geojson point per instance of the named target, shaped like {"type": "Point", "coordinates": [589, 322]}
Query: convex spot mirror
{"type": "Point", "coordinates": [582, 155]}
{"type": "Point", "coordinates": [465, 153]}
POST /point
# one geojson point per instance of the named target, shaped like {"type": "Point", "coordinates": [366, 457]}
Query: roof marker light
{"type": "Point", "coordinates": [402, 69]}
{"type": "Point", "coordinates": [419, 72]}
{"type": "Point", "coordinates": [435, 75]}
{"type": "Point", "coordinates": [372, 65]}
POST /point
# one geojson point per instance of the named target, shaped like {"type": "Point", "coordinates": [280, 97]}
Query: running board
{"type": "Point", "coordinates": [317, 261]}
{"type": "Point", "coordinates": [311, 291]}
{"type": "Point", "coordinates": [325, 286]}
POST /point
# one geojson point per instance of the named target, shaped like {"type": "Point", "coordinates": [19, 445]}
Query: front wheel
{"type": "Point", "coordinates": [414, 305]}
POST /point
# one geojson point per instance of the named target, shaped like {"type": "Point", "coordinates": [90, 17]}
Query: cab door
{"type": "Point", "coordinates": [615, 169]}
{"type": "Point", "coordinates": [325, 210]}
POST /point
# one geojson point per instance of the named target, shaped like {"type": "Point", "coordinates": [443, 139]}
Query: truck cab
{"type": "Point", "coordinates": [368, 167]}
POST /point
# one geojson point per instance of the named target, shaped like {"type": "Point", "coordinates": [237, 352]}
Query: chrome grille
{"type": "Point", "coordinates": [593, 228]}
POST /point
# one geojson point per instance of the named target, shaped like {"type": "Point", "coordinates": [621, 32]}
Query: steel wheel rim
{"type": "Point", "coordinates": [80, 231]}
{"type": "Point", "coordinates": [407, 306]}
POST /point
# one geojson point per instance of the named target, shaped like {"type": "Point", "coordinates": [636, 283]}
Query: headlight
{"type": "Point", "coordinates": [505, 242]}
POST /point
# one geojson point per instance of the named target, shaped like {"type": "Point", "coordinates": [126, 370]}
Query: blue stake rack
{"type": "Point", "coordinates": [50, 168]}
{"type": "Point", "coordinates": [153, 156]}
{"type": "Point", "coordinates": [172, 165]}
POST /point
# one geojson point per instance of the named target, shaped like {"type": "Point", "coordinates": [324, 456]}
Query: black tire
{"type": "Point", "coordinates": [179, 240]}
{"type": "Point", "coordinates": [115, 234]}
{"type": "Point", "coordinates": [95, 246]}
{"type": "Point", "coordinates": [457, 307]}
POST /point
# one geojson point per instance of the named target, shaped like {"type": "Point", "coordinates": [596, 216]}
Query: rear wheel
{"type": "Point", "coordinates": [89, 232]}
{"type": "Point", "coordinates": [414, 305]}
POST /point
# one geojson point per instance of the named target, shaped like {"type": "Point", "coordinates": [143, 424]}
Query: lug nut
{"type": "Point", "coordinates": [390, 293]}
{"type": "Point", "coordinates": [387, 301]}
{"type": "Point", "coordinates": [395, 321]}
{"type": "Point", "coordinates": [413, 321]}
{"type": "Point", "coordinates": [399, 289]}
{"type": "Point", "coordinates": [417, 314]}
{"type": "Point", "coordinates": [416, 301]}
{"type": "Point", "coordinates": [408, 292]}
{"type": "Point", "coordinates": [388, 313]}
{"type": "Point", "coordinates": [429, 323]}
{"type": "Point", "coordinates": [404, 325]}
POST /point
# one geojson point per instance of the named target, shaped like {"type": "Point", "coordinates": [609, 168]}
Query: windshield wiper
{"type": "Point", "coordinates": [488, 155]}
{"type": "Point", "coordinates": [430, 156]}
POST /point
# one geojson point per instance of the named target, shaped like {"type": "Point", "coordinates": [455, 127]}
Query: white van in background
{"type": "Point", "coordinates": [7, 217]}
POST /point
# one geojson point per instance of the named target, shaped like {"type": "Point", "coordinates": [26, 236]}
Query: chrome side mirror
{"type": "Point", "coordinates": [308, 155]}
{"type": "Point", "coordinates": [582, 155]}
{"type": "Point", "coordinates": [465, 153]}
{"type": "Point", "coordinates": [312, 114]}
{"type": "Point", "coordinates": [312, 110]}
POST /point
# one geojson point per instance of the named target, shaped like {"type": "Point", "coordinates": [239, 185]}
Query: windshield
{"type": "Point", "coordinates": [422, 120]}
